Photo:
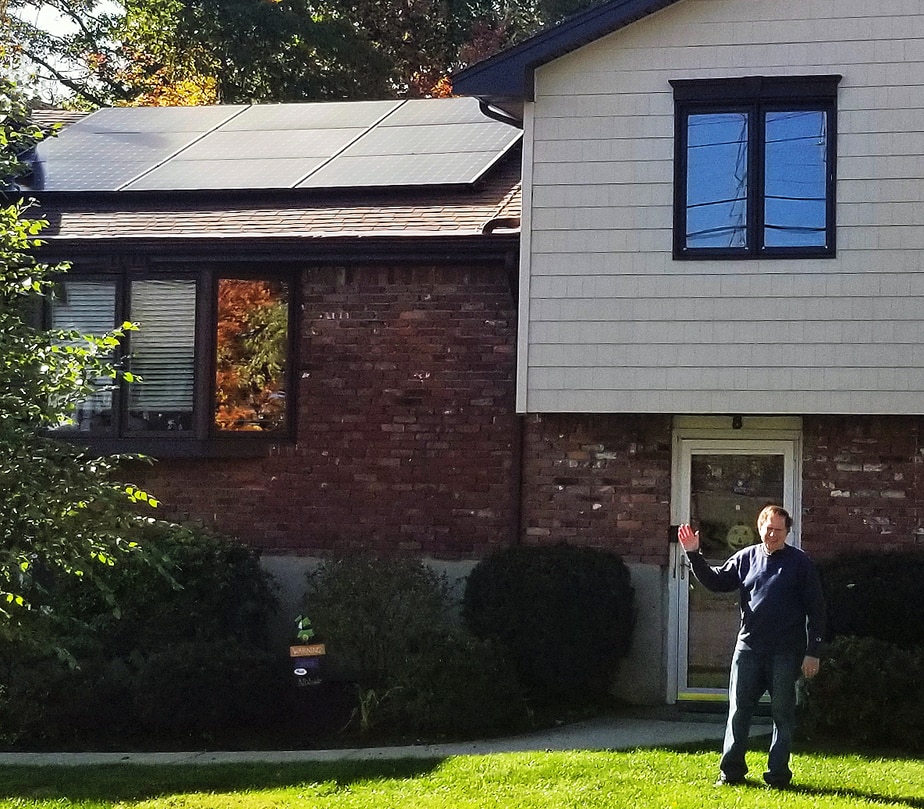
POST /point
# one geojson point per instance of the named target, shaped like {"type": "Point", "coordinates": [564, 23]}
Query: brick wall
{"type": "Point", "coordinates": [599, 481]}
{"type": "Point", "coordinates": [604, 481]}
{"type": "Point", "coordinates": [862, 480]}
{"type": "Point", "coordinates": [406, 432]}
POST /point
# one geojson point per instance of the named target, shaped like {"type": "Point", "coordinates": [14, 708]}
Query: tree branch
{"type": "Point", "coordinates": [78, 87]}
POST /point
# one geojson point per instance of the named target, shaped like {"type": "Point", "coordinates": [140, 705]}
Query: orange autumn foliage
{"type": "Point", "coordinates": [251, 352]}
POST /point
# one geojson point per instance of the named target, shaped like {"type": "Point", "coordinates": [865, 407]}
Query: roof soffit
{"type": "Point", "coordinates": [506, 79]}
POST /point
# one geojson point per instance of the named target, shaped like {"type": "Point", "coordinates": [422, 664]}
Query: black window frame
{"type": "Point", "coordinates": [755, 96]}
{"type": "Point", "coordinates": [205, 439]}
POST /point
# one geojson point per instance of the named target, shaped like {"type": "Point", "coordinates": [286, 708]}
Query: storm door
{"type": "Point", "coordinates": [720, 488]}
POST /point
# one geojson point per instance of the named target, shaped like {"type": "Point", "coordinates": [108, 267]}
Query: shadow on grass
{"type": "Point", "coordinates": [126, 782]}
{"type": "Point", "coordinates": [869, 797]}
{"type": "Point", "coordinates": [806, 747]}
{"type": "Point", "coordinates": [873, 798]}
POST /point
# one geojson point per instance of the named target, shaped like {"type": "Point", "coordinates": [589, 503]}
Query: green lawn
{"type": "Point", "coordinates": [645, 779]}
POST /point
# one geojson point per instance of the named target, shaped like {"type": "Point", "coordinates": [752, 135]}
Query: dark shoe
{"type": "Point", "coordinates": [779, 785]}
{"type": "Point", "coordinates": [728, 782]}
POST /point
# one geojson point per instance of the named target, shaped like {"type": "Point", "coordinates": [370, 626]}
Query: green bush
{"type": "Point", "coordinates": [203, 689]}
{"type": "Point", "coordinates": [867, 692]}
{"type": "Point", "coordinates": [563, 614]}
{"type": "Point", "coordinates": [461, 686]}
{"type": "Point", "coordinates": [390, 626]}
{"type": "Point", "coordinates": [207, 587]}
{"type": "Point", "coordinates": [876, 595]}
{"type": "Point", "coordinates": [181, 650]}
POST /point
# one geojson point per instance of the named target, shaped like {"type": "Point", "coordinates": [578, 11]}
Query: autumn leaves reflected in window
{"type": "Point", "coordinates": [250, 362]}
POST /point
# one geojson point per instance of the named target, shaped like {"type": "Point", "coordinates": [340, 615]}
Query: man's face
{"type": "Point", "coordinates": [773, 533]}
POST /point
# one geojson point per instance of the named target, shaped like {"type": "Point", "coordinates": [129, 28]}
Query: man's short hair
{"type": "Point", "coordinates": [769, 512]}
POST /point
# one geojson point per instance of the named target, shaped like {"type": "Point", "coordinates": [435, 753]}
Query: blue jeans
{"type": "Point", "coordinates": [752, 674]}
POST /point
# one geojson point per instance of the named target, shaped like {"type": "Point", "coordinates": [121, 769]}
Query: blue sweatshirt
{"type": "Point", "coordinates": [782, 606]}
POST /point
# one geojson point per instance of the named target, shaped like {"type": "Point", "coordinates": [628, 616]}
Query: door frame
{"type": "Point", "coordinates": [719, 435]}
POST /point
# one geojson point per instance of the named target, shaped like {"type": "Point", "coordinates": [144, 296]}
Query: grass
{"type": "Point", "coordinates": [640, 779]}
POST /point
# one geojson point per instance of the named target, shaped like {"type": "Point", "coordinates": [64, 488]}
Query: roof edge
{"type": "Point", "coordinates": [507, 77]}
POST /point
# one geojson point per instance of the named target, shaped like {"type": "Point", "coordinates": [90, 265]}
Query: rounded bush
{"type": "Point", "coordinates": [375, 614]}
{"type": "Point", "coordinates": [867, 692]}
{"type": "Point", "coordinates": [875, 595]}
{"type": "Point", "coordinates": [391, 627]}
{"type": "Point", "coordinates": [563, 614]}
{"type": "Point", "coordinates": [176, 647]}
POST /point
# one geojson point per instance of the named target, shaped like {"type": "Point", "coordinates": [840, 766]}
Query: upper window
{"type": "Point", "coordinates": [210, 358]}
{"type": "Point", "coordinates": [754, 167]}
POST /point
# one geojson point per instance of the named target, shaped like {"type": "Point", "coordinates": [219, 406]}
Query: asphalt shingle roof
{"type": "Point", "coordinates": [434, 209]}
{"type": "Point", "coordinates": [423, 212]}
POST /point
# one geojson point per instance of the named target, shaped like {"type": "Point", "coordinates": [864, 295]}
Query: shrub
{"type": "Point", "coordinates": [207, 587]}
{"type": "Point", "coordinates": [461, 686]}
{"type": "Point", "coordinates": [180, 650]}
{"type": "Point", "coordinates": [202, 689]}
{"type": "Point", "coordinates": [868, 692]}
{"type": "Point", "coordinates": [876, 595]}
{"type": "Point", "coordinates": [390, 626]}
{"type": "Point", "coordinates": [563, 614]}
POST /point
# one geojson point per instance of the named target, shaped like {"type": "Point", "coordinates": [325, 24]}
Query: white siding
{"type": "Point", "coordinates": [612, 323]}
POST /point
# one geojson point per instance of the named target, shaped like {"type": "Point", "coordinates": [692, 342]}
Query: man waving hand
{"type": "Point", "coordinates": [782, 626]}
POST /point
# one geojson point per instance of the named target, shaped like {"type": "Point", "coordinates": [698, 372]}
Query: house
{"type": "Point", "coordinates": [326, 298]}
{"type": "Point", "coordinates": [712, 300]}
{"type": "Point", "coordinates": [721, 290]}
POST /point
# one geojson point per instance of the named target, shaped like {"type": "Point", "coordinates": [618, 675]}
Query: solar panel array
{"type": "Point", "coordinates": [355, 144]}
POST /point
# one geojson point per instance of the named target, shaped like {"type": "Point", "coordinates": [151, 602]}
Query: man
{"type": "Point", "coordinates": [782, 625]}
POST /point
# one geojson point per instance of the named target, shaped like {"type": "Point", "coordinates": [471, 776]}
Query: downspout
{"type": "Point", "coordinates": [518, 451]}
{"type": "Point", "coordinates": [498, 115]}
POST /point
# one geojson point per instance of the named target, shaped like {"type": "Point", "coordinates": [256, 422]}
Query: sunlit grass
{"type": "Point", "coordinates": [644, 779]}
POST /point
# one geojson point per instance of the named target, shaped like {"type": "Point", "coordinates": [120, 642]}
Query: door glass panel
{"type": "Point", "coordinates": [727, 492]}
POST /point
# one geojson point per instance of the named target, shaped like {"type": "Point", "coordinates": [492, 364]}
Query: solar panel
{"type": "Point", "coordinates": [87, 175]}
{"type": "Point", "coordinates": [159, 119]}
{"type": "Point", "coordinates": [111, 147]}
{"type": "Point", "coordinates": [311, 145]}
{"type": "Point", "coordinates": [399, 170]}
{"type": "Point", "coordinates": [326, 115]}
{"type": "Point", "coordinates": [436, 111]}
{"type": "Point", "coordinates": [206, 175]}
{"type": "Point", "coordinates": [268, 144]}
{"type": "Point", "coordinates": [434, 139]}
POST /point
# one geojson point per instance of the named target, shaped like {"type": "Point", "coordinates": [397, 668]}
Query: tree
{"type": "Point", "coordinates": [63, 512]}
{"type": "Point", "coordinates": [240, 51]}
{"type": "Point", "coordinates": [195, 51]}
{"type": "Point", "coordinates": [69, 46]}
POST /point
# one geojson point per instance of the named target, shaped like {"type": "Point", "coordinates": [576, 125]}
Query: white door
{"type": "Point", "coordinates": [720, 486]}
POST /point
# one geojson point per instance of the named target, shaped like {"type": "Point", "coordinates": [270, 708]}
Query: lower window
{"type": "Point", "coordinates": [211, 356]}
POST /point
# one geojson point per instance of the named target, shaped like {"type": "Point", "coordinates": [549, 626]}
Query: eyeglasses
{"type": "Point", "coordinates": [775, 531]}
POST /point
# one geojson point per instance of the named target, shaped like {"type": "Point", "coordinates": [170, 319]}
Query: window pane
{"type": "Point", "coordinates": [87, 307]}
{"type": "Point", "coordinates": [717, 180]}
{"type": "Point", "coordinates": [252, 345]}
{"type": "Point", "coordinates": [795, 183]}
{"type": "Point", "coordinates": [163, 355]}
